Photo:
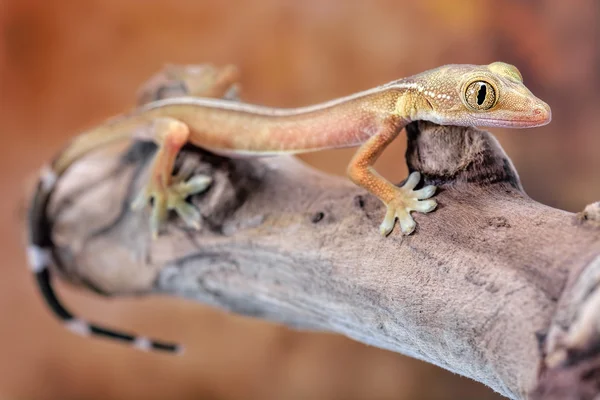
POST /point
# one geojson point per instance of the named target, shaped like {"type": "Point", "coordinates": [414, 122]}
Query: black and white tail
{"type": "Point", "coordinates": [40, 253]}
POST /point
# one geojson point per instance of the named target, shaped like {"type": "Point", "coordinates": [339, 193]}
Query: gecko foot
{"type": "Point", "coordinates": [407, 200]}
{"type": "Point", "coordinates": [172, 198]}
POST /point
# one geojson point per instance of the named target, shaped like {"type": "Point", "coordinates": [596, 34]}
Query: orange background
{"type": "Point", "coordinates": [65, 65]}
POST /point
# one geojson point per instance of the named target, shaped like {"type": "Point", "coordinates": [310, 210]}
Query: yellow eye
{"type": "Point", "coordinates": [480, 95]}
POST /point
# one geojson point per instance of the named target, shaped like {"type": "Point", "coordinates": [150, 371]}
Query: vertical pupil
{"type": "Point", "coordinates": [481, 93]}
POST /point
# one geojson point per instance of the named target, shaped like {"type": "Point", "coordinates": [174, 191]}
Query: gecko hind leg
{"type": "Point", "coordinates": [168, 192]}
{"type": "Point", "coordinates": [405, 201]}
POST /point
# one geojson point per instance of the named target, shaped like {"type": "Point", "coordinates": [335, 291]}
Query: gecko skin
{"type": "Point", "coordinates": [464, 95]}
{"type": "Point", "coordinates": [199, 80]}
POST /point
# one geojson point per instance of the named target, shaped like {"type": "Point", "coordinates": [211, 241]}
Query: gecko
{"type": "Point", "coordinates": [491, 95]}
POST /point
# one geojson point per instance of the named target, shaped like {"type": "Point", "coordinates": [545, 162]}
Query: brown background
{"type": "Point", "coordinates": [65, 65]}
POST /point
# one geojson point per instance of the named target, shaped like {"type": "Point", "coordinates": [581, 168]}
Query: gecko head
{"type": "Point", "coordinates": [480, 95]}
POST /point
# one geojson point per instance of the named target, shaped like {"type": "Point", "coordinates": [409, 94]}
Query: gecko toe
{"type": "Point", "coordinates": [139, 201]}
{"type": "Point", "coordinates": [423, 206]}
{"type": "Point", "coordinates": [413, 180]}
{"type": "Point", "coordinates": [407, 223]}
{"type": "Point", "coordinates": [158, 216]}
{"type": "Point", "coordinates": [425, 192]}
{"type": "Point", "coordinates": [194, 185]}
{"type": "Point", "coordinates": [389, 220]}
{"type": "Point", "coordinates": [188, 213]}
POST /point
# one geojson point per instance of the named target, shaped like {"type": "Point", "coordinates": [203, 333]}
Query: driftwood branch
{"type": "Point", "coordinates": [492, 285]}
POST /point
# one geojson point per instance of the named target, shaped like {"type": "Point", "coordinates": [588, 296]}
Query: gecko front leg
{"type": "Point", "coordinates": [400, 201]}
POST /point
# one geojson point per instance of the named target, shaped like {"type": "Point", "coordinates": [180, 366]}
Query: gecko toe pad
{"type": "Point", "coordinates": [407, 200]}
{"type": "Point", "coordinates": [172, 198]}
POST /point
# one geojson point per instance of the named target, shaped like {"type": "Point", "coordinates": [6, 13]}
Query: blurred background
{"type": "Point", "coordinates": [65, 65]}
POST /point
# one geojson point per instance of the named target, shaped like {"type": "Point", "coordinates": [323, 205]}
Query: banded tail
{"type": "Point", "coordinates": [41, 257]}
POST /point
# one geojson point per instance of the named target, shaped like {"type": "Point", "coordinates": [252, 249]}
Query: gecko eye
{"type": "Point", "coordinates": [480, 95]}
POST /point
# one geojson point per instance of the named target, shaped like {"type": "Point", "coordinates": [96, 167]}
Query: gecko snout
{"type": "Point", "coordinates": [542, 113]}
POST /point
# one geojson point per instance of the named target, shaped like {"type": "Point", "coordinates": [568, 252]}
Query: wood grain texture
{"type": "Point", "coordinates": [471, 290]}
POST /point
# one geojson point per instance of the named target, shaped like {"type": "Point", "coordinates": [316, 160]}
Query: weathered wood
{"type": "Point", "coordinates": [469, 291]}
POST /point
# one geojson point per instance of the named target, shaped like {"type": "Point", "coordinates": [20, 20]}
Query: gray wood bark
{"type": "Point", "coordinates": [492, 285]}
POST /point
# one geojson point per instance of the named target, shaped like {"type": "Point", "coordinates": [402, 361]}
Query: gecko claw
{"type": "Point", "coordinates": [172, 198]}
{"type": "Point", "coordinates": [407, 200]}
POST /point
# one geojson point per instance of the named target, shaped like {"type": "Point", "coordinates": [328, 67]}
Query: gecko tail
{"type": "Point", "coordinates": [40, 255]}
{"type": "Point", "coordinates": [39, 259]}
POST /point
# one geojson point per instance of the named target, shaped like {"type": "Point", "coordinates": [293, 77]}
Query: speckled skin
{"type": "Point", "coordinates": [447, 95]}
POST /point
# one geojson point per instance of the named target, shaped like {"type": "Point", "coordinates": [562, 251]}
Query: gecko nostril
{"type": "Point", "coordinates": [542, 112]}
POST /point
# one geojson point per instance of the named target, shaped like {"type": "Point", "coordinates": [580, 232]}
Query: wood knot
{"type": "Point", "coordinates": [317, 217]}
{"type": "Point", "coordinates": [359, 201]}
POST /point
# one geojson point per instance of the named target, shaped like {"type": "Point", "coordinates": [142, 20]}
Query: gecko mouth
{"type": "Point", "coordinates": [513, 123]}
{"type": "Point", "coordinates": [540, 115]}
{"type": "Point", "coordinates": [525, 122]}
